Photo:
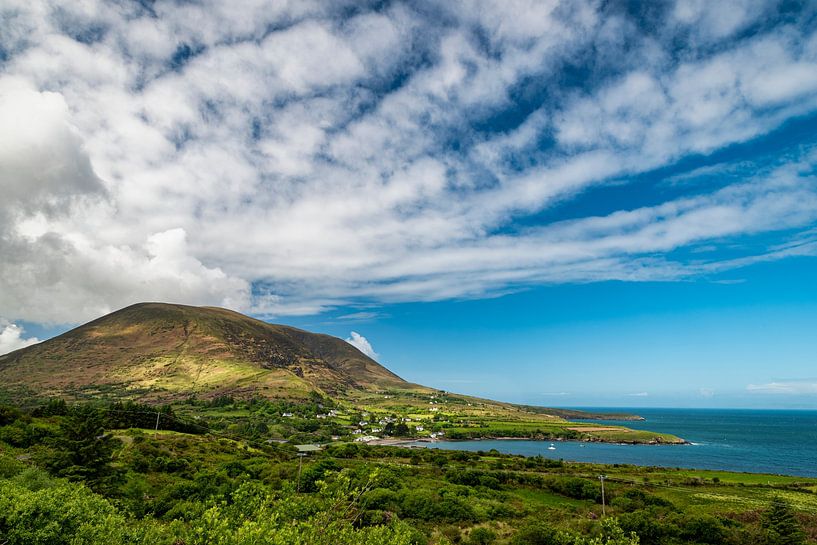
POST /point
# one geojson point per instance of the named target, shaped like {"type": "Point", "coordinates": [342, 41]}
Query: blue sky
{"type": "Point", "coordinates": [560, 203]}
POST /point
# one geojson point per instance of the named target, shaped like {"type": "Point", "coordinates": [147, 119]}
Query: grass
{"type": "Point", "coordinates": [542, 498]}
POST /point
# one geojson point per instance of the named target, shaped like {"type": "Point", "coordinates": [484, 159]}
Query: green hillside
{"type": "Point", "coordinates": [162, 352]}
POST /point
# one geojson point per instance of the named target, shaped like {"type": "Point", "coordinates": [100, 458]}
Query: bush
{"type": "Point", "coordinates": [65, 514]}
{"type": "Point", "coordinates": [310, 475]}
{"type": "Point", "coordinates": [472, 477]}
{"type": "Point", "coordinates": [481, 536]}
{"type": "Point", "coordinates": [380, 498]}
{"type": "Point", "coordinates": [703, 529]}
{"type": "Point", "coordinates": [70, 514]}
{"type": "Point", "coordinates": [10, 467]}
{"type": "Point", "coordinates": [426, 505]}
{"type": "Point", "coordinates": [634, 499]}
{"type": "Point", "coordinates": [536, 532]}
{"type": "Point", "coordinates": [9, 415]}
{"type": "Point", "coordinates": [576, 488]}
{"type": "Point", "coordinates": [647, 525]}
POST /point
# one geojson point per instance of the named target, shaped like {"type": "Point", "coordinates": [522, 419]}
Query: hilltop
{"type": "Point", "coordinates": [159, 351]}
{"type": "Point", "coordinates": [166, 353]}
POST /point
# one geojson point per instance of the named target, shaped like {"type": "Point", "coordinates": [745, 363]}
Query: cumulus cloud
{"type": "Point", "coordinates": [42, 163]}
{"type": "Point", "coordinates": [361, 343]}
{"type": "Point", "coordinates": [11, 338]}
{"type": "Point", "coordinates": [291, 159]}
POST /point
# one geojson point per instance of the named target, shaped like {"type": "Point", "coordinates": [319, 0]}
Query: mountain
{"type": "Point", "coordinates": [163, 353]}
{"type": "Point", "coordinates": [158, 351]}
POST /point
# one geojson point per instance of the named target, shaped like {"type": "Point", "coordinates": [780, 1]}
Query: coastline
{"type": "Point", "coordinates": [394, 442]}
{"type": "Point", "coordinates": [769, 442]}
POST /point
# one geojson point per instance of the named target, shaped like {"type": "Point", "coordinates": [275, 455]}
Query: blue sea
{"type": "Point", "coordinates": [758, 441]}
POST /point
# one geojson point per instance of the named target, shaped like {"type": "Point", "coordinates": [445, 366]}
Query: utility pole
{"type": "Point", "coordinates": [157, 420]}
{"type": "Point", "coordinates": [300, 463]}
{"type": "Point", "coordinates": [601, 478]}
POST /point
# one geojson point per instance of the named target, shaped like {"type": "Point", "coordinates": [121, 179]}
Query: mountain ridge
{"type": "Point", "coordinates": [167, 350]}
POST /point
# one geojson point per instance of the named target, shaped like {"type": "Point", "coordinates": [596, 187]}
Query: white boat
{"type": "Point", "coordinates": [551, 447]}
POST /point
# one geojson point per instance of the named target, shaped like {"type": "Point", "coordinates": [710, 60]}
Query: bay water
{"type": "Point", "coordinates": [757, 441]}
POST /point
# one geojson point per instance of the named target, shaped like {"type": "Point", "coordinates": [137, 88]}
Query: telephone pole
{"type": "Point", "coordinates": [157, 420]}
{"type": "Point", "coordinates": [601, 478]}
{"type": "Point", "coordinates": [300, 463]}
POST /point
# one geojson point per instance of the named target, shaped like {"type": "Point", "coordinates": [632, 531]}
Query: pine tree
{"type": "Point", "coordinates": [84, 450]}
{"type": "Point", "coordinates": [781, 526]}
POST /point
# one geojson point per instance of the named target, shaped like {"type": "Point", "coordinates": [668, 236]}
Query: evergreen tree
{"type": "Point", "coordinates": [84, 450]}
{"type": "Point", "coordinates": [781, 526]}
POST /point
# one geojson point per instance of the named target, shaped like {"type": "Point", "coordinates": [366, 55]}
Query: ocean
{"type": "Point", "coordinates": [757, 441]}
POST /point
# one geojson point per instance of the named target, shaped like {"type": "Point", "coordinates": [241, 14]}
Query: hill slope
{"type": "Point", "coordinates": [163, 351]}
{"type": "Point", "coordinates": [156, 352]}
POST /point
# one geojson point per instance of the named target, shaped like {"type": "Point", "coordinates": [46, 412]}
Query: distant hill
{"type": "Point", "coordinates": [158, 351]}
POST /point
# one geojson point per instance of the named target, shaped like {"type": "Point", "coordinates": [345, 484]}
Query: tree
{"type": "Point", "coordinates": [84, 450]}
{"type": "Point", "coordinates": [780, 525]}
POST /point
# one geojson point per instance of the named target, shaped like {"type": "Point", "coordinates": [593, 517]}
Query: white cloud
{"type": "Point", "coordinates": [362, 316]}
{"type": "Point", "coordinates": [713, 20]}
{"type": "Point", "coordinates": [298, 158]}
{"type": "Point", "coordinates": [785, 387]}
{"type": "Point", "coordinates": [11, 338]}
{"type": "Point", "coordinates": [639, 394]}
{"type": "Point", "coordinates": [361, 343]}
{"type": "Point", "coordinates": [706, 392]}
{"type": "Point", "coordinates": [42, 163]}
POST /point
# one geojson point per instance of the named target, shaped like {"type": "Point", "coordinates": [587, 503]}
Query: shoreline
{"type": "Point", "coordinates": [395, 442]}
{"type": "Point", "coordinates": [571, 459]}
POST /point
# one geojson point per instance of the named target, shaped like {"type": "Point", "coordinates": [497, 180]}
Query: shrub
{"type": "Point", "coordinates": [573, 487]}
{"type": "Point", "coordinates": [536, 532]}
{"type": "Point", "coordinates": [703, 529]}
{"type": "Point", "coordinates": [9, 415]}
{"type": "Point", "coordinates": [481, 536]}
{"type": "Point", "coordinates": [65, 514]}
